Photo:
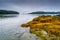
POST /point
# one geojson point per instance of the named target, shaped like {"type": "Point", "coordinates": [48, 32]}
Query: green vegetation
{"type": "Point", "coordinates": [8, 12]}
{"type": "Point", "coordinates": [42, 12]}
{"type": "Point", "coordinates": [38, 12]}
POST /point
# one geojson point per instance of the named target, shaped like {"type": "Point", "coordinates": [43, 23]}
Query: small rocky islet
{"type": "Point", "coordinates": [45, 27]}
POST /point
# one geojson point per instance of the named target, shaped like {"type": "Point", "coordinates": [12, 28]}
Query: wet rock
{"type": "Point", "coordinates": [49, 24]}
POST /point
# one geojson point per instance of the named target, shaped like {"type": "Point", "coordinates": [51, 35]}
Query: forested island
{"type": "Point", "coordinates": [6, 13]}
{"type": "Point", "coordinates": [42, 12]}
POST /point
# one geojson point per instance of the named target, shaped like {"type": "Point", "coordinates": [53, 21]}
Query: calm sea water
{"type": "Point", "coordinates": [10, 28]}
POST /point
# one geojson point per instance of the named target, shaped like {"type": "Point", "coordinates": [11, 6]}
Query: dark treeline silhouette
{"type": "Point", "coordinates": [8, 12]}
{"type": "Point", "coordinates": [41, 12]}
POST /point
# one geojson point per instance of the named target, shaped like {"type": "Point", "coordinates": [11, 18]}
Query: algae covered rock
{"type": "Point", "coordinates": [24, 25]}
{"type": "Point", "coordinates": [50, 25]}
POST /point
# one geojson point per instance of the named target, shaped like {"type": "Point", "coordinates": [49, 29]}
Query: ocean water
{"type": "Point", "coordinates": [10, 27]}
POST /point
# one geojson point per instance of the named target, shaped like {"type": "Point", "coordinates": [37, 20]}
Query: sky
{"type": "Point", "coordinates": [27, 6]}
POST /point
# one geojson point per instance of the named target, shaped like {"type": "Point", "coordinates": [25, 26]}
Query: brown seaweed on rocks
{"type": "Point", "coordinates": [45, 27]}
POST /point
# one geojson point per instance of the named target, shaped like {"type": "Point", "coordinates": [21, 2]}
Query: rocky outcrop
{"type": "Point", "coordinates": [49, 24]}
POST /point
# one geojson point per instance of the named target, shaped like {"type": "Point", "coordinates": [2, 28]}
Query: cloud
{"type": "Point", "coordinates": [26, 6]}
{"type": "Point", "coordinates": [28, 2]}
{"type": "Point", "coordinates": [31, 2]}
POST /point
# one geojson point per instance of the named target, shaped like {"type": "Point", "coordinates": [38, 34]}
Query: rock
{"type": "Point", "coordinates": [28, 36]}
{"type": "Point", "coordinates": [50, 24]}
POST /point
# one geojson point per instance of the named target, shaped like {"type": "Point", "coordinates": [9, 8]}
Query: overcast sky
{"type": "Point", "coordinates": [26, 6]}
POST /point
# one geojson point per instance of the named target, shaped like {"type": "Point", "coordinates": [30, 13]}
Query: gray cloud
{"type": "Point", "coordinates": [37, 2]}
{"type": "Point", "coordinates": [30, 5]}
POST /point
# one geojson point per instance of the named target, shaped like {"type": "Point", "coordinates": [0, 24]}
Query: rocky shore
{"type": "Point", "coordinates": [45, 27]}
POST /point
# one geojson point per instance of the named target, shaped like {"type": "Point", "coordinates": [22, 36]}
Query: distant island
{"type": "Point", "coordinates": [6, 13]}
{"type": "Point", "coordinates": [41, 12]}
